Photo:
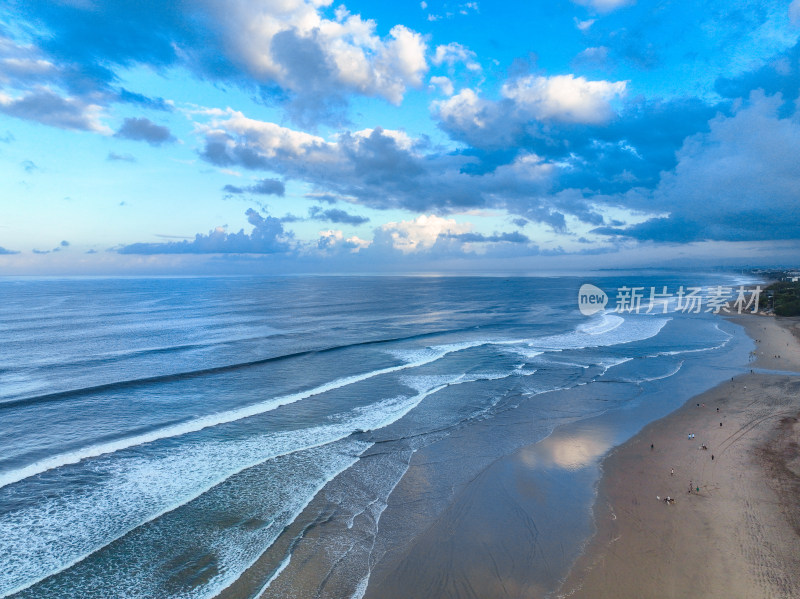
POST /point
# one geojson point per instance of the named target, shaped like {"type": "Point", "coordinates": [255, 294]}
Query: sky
{"type": "Point", "coordinates": [312, 136]}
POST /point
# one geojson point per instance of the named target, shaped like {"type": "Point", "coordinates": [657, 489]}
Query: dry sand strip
{"type": "Point", "coordinates": [739, 535]}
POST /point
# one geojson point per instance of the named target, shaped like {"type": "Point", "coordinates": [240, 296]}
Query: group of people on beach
{"type": "Point", "coordinates": [693, 488]}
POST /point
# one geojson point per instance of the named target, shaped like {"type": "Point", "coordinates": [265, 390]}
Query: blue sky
{"type": "Point", "coordinates": [281, 136]}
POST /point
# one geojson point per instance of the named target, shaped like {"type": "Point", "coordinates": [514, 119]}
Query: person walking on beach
{"type": "Point", "coordinates": [672, 472]}
{"type": "Point", "coordinates": [691, 486]}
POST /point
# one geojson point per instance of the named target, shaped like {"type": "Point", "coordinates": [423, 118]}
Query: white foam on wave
{"type": "Point", "coordinates": [426, 355]}
{"type": "Point", "coordinates": [678, 352]}
{"type": "Point", "coordinates": [524, 371]}
{"type": "Point", "coordinates": [238, 556]}
{"type": "Point", "coordinates": [418, 358]}
{"type": "Point", "coordinates": [361, 588]}
{"type": "Point", "coordinates": [379, 507]}
{"type": "Point", "coordinates": [422, 382]}
{"type": "Point", "coordinates": [601, 324]}
{"type": "Point", "coordinates": [601, 334]}
{"type": "Point", "coordinates": [281, 567]}
{"type": "Point", "coordinates": [553, 362]}
{"type": "Point", "coordinates": [615, 331]}
{"type": "Point", "coordinates": [661, 376]}
{"type": "Point", "coordinates": [608, 363]}
{"type": "Point", "coordinates": [524, 351]}
{"type": "Point", "coordinates": [137, 490]}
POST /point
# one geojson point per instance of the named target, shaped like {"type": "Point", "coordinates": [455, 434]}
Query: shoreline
{"type": "Point", "coordinates": [516, 529]}
{"type": "Point", "coordinates": [741, 531]}
{"type": "Point", "coordinates": [511, 530]}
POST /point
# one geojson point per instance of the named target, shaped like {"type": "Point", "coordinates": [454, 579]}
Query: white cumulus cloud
{"type": "Point", "coordinates": [290, 42]}
{"type": "Point", "coordinates": [444, 84]}
{"type": "Point", "coordinates": [564, 97]}
{"type": "Point", "coordinates": [421, 234]}
{"type": "Point", "coordinates": [334, 240]}
{"type": "Point", "coordinates": [453, 53]}
{"type": "Point", "coordinates": [463, 109]}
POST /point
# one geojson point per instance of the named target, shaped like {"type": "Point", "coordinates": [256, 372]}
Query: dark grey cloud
{"type": "Point", "coordinates": [142, 129]}
{"type": "Point", "coordinates": [267, 237]}
{"type": "Point", "coordinates": [634, 149]}
{"type": "Point", "coordinates": [48, 108]}
{"type": "Point", "coordinates": [58, 248]}
{"type": "Point", "coordinates": [57, 90]}
{"type": "Point", "coordinates": [130, 97]}
{"type": "Point", "coordinates": [630, 150]}
{"type": "Point", "coordinates": [673, 230]}
{"type": "Point", "coordinates": [380, 169]}
{"type": "Point", "coordinates": [335, 215]}
{"type": "Point", "coordinates": [263, 187]}
{"type": "Point", "coordinates": [394, 239]}
{"type": "Point", "coordinates": [219, 152]}
{"type": "Point", "coordinates": [512, 237]}
{"type": "Point", "coordinates": [326, 198]}
{"type": "Point", "coordinates": [268, 187]}
{"type": "Point", "coordinates": [5, 252]}
{"type": "Point", "coordinates": [309, 69]}
{"type": "Point", "coordinates": [736, 182]}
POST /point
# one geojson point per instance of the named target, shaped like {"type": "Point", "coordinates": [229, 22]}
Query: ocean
{"type": "Point", "coordinates": [239, 436]}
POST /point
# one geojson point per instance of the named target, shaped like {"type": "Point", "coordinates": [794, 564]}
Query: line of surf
{"type": "Point", "coordinates": [341, 434]}
{"type": "Point", "coordinates": [186, 375]}
{"type": "Point", "coordinates": [76, 560]}
{"type": "Point", "coordinates": [203, 422]}
{"type": "Point", "coordinates": [415, 401]}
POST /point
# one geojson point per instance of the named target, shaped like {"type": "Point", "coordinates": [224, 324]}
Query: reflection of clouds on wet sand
{"type": "Point", "coordinates": [496, 534]}
{"type": "Point", "coordinates": [571, 450]}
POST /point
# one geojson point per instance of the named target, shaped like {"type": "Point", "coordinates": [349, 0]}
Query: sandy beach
{"type": "Point", "coordinates": [737, 533]}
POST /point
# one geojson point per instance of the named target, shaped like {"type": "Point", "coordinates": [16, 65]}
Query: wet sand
{"type": "Point", "coordinates": [739, 535]}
